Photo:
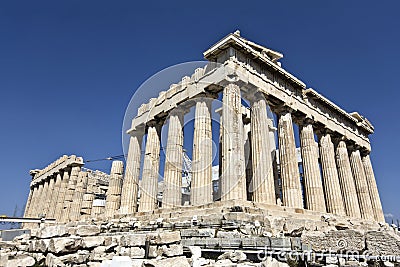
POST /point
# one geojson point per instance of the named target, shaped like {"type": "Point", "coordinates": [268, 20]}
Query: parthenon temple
{"type": "Point", "coordinates": [281, 145]}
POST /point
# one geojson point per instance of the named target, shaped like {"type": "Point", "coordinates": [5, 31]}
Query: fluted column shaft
{"type": "Point", "coordinates": [61, 196]}
{"type": "Point", "coordinates": [33, 202]}
{"type": "Point", "coordinates": [361, 185]}
{"type": "Point", "coordinates": [129, 194]}
{"type": "Point", "coordinates": [373, 189]}
{"type": "Point", "coordinates": [69, 194]}
{"type": "Point", "coordinates": [54, 196]}
{"type": "Point", "coordinates": [44, 198]}
{"type": "Point", "coordinates": [172, 195]}
{"type": "Point", "coordinates": [113, 196]}
{"type": "Point", "coordinates": [314, 193]}
{"type": "Point", "coordinates": [262, 185]}
{"type": "Point", "coordinates": [233, 179]}
{"type": "Point", "coordinates": [29, 202]}
{"type": "Point", "coordinates": [151, 165]}
{"type": "Point", "coordinates": [75, 212]}
{"type": "Point", "coordinates": [88, 197]}
{"type": "Point", "coordinates": [333, 192]}
{"type": "Point", "coordinates": [347, 185]}
{"type": "Point", "coordinates": [201, 185]}
{"type": "Point", "coordinates": [36, 208]}
{"type": "Point", "coordinates": [291, 187]}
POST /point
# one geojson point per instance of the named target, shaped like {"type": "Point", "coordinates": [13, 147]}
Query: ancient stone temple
{"type": "Point", "coordinates": [336, 171]}
{"type": "Point", "coordinates": [294, 174]}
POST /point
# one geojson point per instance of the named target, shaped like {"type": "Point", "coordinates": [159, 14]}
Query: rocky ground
{"type": "Point", "coordinates": [231, 238]}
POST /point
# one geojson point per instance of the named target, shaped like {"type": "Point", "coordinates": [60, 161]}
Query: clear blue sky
{"type": "Point", "coordinates": [69, 68]}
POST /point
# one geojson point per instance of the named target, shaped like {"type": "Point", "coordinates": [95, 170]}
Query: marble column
{"type": "Point", "coordinates": [113, 195]}
{"type": "Point", "coordinates": [36, 208]}
{"type": "Point", "coordinates": [69, 194]}
{"type": "Point", "coordinates": [262, 185]}
{"type": "Point", "coordinates": [247, 156]}
{"type": "Point", "coordinates": [54, 196]}
{"type": "Point", "coordinates": [314, 192]}
{"type": "Point", "coordinates": [290, 177]}
{"type": "Point", "coordinates": [172, 194]}
{"type": "Point", "coordinates": [88, 197]}
{"type": "Point", "coordinates": [360, 180]}
{"type": "Point", "coordinates": [333, 192]}
{"type": "Point", "coordinates": [201, 186]}
{"type": "Point", "coordinates": [151, 165]}
{"type": "Point", "coordinates": [44, 199]}
{"type": "Point", "coordinates": [373, 189]}
{"type": "Point", "coordinates": [233, 180]}
{"type": "Point", "coordinates": [347, 185]}
{"type": "Point", "coordinates": [49, 197]}
{"type": "Point", "coordinates": [129, 194]}
{"type": "Point", "coordinates": [61, 196]}
{"type": "Point", "coordinates": [76, 205]}
{"type": "Point", "coordinates": [29, 202]}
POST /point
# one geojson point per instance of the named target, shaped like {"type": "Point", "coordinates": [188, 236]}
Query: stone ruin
{"type": "Point", "coordinates": [276, 205]}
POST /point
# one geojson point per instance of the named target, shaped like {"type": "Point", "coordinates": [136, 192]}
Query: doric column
{"type": "Point", "coordinates": [347, 185]}
{"type": "Point", "coordinates": [314, 193]}
{"type": "Point", "coordinates": [333, 192]}
{"type": "Point", "coordinates": [29, 202]}
{"type": "Point", "coordinates": [49, 196]}
{"type": "Point", "coordinates": [69, 194]}
{"type": "Point", "coordinates": [36, 208]}
{"type": "Point", "coordinates": [113, 196]}
{"type": "Point", "coordinates": [172, 194]}
{"type": "Point", "coordinates": [151, 165]}
{"type": "Point", "coordinates": [262, 185]}
{"type": "Point", "coordinates": [129, 194]}
{"type": "Point", "coordinates": [233, 179]}
{"type": "Point", "coordinates": [88, 197]}
{"type": "Point", "coordinates": [44, 198]}
{"type": "Point", "coordinates": [360, 180]}
{"type": "Point", "coordinates": [30, 210]}
{"type": "Point", "coordinates": [61, 196]}
{"type": "Point", "coordinates": [201, 186]}
{"type": "Point", "coordinates": [247, 156]}
{"type": "Point", "coordinates": [76, 205]}
{"type": "Point", "coordinates": [54, 196]}
{"type": "Point", "coordinates": [373, 189]}
{"type": "Point", "coordinates": [291, 187]}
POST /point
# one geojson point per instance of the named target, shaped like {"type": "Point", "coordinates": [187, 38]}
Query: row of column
{"type": "Point", "coordinates": [70, 194]}
{"type": "Point", "coordinates": [346, 185]}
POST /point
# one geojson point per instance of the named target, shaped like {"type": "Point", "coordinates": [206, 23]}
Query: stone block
{"type": "Point", "coordinates": [52, 231]}
{"type": "Point", "coordinates": [20, 260]}
{"type": "Point", "coordinates": [64, 245]}
{"type": "Point", "coordinates": [137, 253]}
{"type": "Point", "coordinates": [252, 242]}
{"type": "Point", "coordinates": [230, 243]}
{"type": "Point", "coordinates": [167, 238]}
{"type": "Point", "coordinates": [335, 241]}
{"type": "Point", "coordinates": [53, 261]}
{"type": "Point", "coordinates": [87, 230]}
{"type": "Point", "coordinates": [382, 243]}
{"type": "Point", "coordinates": [79, 257]}
{"type": "Point", "coordinates": [233, 256]}
{"type": "Point", "coordinates": [172, 250]}
{"type": "Point", "coordinates": [202, 232]}
{"type": "Point", "coordinates": [93, 241]}
{"type": "Point", "coordinates": [132, 240]}
{"type": "Point", "coordinates": [277, 242]}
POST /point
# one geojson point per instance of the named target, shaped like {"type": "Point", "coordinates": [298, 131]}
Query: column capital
{"type": "Point", "coordinates": [156, 124]}
{"type": "Point", "coordinates": [284, 109]}
{"type": "Point", "coordinates": [364, 151]}
{"type": "Point", "coordinates": [258, 94]}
